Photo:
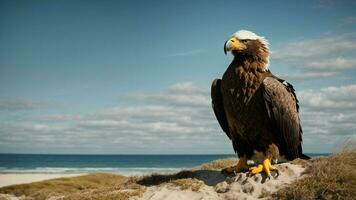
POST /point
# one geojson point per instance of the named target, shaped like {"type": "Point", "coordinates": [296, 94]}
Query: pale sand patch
{"type": "Point", "coordinates": [219, 187]}
{"type": "Point", "coordinates": [166, 192]}
{"type": "Point", "coordinates": [11, 179]}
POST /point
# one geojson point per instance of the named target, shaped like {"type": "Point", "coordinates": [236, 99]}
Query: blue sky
{"type": "Point", "coordinates": [134, 76]}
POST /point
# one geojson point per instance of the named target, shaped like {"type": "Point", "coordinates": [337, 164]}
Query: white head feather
{"type": "Point", "coordinates": [248, 35]}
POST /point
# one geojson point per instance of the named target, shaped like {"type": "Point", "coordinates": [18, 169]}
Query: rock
{"type": "Point", "coordinates": [235, 188]}
{"type": "Point", "coordinates": [257, 178]}
{"type": "Point", "coordinates": [240, 177]}
{"type": "Point", "coordinates": [248, 188]}
{"type": "Point", "coordinates": [222, 187]}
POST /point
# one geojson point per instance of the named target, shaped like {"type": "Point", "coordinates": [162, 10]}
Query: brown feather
{"type": "Point", "coordinates": [255, 108]}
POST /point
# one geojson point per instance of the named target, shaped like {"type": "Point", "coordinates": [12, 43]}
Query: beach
{"type": "Point", "coordinates": [297, 179]}
{"type": "Point", "coordinates": [12, 179]}
{"type": "Point", "coordinates": [22, 168]}
{"type": "Point", "coordinates": [202, 182]}
{"type": "Point", "coordinates": [27, 168]}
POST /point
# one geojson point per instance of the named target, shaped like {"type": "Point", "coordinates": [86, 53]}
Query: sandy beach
{"type": "Point", "coordinates": [204, 183]}
{"type": "Point", "coordinates": [12, 179]}
{"type": "Point", "coordinates": [298, 179]}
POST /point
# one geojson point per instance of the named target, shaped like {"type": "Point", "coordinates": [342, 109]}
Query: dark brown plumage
{"type": "Point", "coordinates": [255, 108]}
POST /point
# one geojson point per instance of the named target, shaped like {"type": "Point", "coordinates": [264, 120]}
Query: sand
{"type": "Point", "coordinates": [214, 184]}
{"type": "Point", "coordinates": [221, 187]}
{"type": "Point", "coordinates": [11, 179]}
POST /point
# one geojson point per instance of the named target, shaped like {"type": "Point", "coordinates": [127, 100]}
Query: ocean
{"type": "Point", "coordinates": [121, 164]}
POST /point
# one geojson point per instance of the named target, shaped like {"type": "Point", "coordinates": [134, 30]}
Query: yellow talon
{"type": "Point", "coordinates": [241, 165]}
{"type": "Point", "coordinates": [265, 166]}
{"type": "Point", "coordinates": [256, 170]}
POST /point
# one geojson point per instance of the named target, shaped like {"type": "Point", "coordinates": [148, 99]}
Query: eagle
{"type": "Point", "coordinates": [258, 111]}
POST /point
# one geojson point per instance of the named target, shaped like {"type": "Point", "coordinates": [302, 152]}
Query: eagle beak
{"type": "Point", "coordinates": [233, 44]}
{"type": "Point", "coordinates": [225, 47]}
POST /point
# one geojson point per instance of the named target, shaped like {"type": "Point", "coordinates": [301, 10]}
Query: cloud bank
{"type": "Point", "coordinates": [326, 56]}
{"type": "Point", "coordinates": [177, 120]}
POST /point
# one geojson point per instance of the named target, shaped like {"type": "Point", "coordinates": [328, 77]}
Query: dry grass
{"type": "Point", "coordinates": [92, 186]}
{"type": "Point", "coordinates": [220, 164]}
{"type": "Point", "coordinates": [187, 179]}
{"type": "Point", "coordinates": [188, 183]}
{"type": "Point", "coordinates": [110, 186]}
{"type": "Point", "coordinates": [118, 192]}
{"type": "Point", "coordinates": [264, 193]}
{"type": "Point", "coordinates": [157, 179]}
{"type": "Point", "coordinates": [332, 177]}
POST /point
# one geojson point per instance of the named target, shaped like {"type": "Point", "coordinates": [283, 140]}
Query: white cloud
{"type": "Point", "coordinates": [318, 58]}
{"type": "Point", "coordinates": [334, 64]}
{"type": "Point", "coordinates": [327, 45]}
{"type": "Point", "coordinates": [343, 97]}
{"type": "Point", "coordinates": [156, 123]}
{"type": "Point", "coordinates": [308, 75]}
{"type": "Point", "coordinates": [328, 116]}
{"type": "Point", "coordinates": [178, 120]}
{"type": "Point", "coordinates": [321, 68]}
{"type": "Point", "coordinates": [183, 94]}
{"type": "Point", "coordinates": [187, 88]}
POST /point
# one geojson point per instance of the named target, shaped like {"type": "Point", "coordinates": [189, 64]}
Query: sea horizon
{"type": "Point", "coordinates": [151, 154]}
{"type": "Point", "coordinates": [124, 164]}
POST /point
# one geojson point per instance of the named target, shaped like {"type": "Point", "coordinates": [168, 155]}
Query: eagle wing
{"type": "Point", "coordinates": [283, 111]}
{"type": "Point", "coordinates": [218, 106]}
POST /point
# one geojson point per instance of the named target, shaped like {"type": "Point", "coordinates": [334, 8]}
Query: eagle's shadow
{"type": "Point", "coordinates": [209, 177]}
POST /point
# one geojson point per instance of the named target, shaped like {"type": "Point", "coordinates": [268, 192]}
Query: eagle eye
{"type": "Point", "coordinates": [243, 41]}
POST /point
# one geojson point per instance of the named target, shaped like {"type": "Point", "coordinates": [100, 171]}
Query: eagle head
{"type": "Point", "coordinates": [247, 45]}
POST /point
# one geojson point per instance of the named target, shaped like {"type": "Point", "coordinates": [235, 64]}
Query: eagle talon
{"type": "Point", "coordinates": [256, 170]}
{"type": "Point", "coordinates": [268, 176]}
{"type": "Point", "coordinates": [266, 167]}
{"type": "Point", "coordinates": [241, 165]}
{"type": "Point", "coordinates": [277, 172]}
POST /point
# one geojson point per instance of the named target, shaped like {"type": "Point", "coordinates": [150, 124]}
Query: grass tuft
{"type": "Point", "coordinates": [188, 183]}
{"type": "Point", "coordinates": [220, 164]}
{"type": "Point", "coordinates": [156, 179]}
{"type": "Point", "coordinates": [331, 177]}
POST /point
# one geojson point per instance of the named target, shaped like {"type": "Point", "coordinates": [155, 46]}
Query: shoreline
{"type": "Point", "coordinates": [7, 179]}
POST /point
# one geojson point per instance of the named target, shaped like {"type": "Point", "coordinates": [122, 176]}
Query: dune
{"type": "Point", "coordinates": [332, 177]}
